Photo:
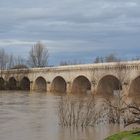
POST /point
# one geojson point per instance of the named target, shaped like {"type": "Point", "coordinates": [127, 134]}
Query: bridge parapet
{"type": "Point", "coordinates": [98, 66]}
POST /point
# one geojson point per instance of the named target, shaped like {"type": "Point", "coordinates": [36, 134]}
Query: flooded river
{"type": "Point", "coordinates": [33, 116]}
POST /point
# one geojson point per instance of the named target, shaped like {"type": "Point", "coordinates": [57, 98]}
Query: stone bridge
{"type": "Point", "coordinates": [102, 78]}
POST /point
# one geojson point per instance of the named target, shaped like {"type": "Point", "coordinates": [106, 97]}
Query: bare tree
{"type": "Point", "coordinates": [74, 62]}
{"type": "Point", "coordinates": [19, 61]}
{"type": "Point", "coordinates": [4, 59]}
{"type": "Point", "coordinates": [16, 62]}
{"type": "Point", "coordinates": [111, 58]}
{"type": "Point", "coordinates": [118, 106]}
{"type": "Point", "coordinates": [11, 61]}
{"type": "Point", "coordinates": [79, 112]}
{"type": "Point", "coordinates": [99, 59]}
{"type": "Point", "coordinates": [134, 109]}
{"type": "Point", "coordinates": [38, 55]}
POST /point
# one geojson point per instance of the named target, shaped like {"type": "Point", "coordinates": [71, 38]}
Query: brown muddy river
{"type": "Point", "coordinates": [33, 116]}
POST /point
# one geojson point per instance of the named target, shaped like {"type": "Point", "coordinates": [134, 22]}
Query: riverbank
{"type": "Point", "coordinates": [126, 135]}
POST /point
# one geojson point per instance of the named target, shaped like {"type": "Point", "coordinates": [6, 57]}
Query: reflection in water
{"type": "Point", "coordinates": [33, 116]}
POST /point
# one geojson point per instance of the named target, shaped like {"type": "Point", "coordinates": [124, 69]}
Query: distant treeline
{"type": "Point", "coordinates": [38, 57]}
{"type": "Point", "coordinates": [112, 57]}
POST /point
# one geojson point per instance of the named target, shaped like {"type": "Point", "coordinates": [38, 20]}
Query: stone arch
{"type": "Point", "coordinates": [2, 84]}
{"type": "Point", "coordinates": [135, 87]}
{"type": "Point", "coordinates": [81, 84]}
{"type": "Point", "coordinates": [108, 85]}
{"type": "Point", "coordinates": [40, 84]}
{"type": "Point", "coordinates": [59, 85]}
{"type": "Point", "coordinates": [12, 83]}
{"type": "Point", "coordinates": [25, 83]}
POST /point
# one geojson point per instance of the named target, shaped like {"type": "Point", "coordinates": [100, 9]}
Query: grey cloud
{"type": "Point", "coordinates": [67, 25]}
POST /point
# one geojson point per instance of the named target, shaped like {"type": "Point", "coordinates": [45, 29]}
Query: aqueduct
{"type": "Point", "coordinates": [102, 78]}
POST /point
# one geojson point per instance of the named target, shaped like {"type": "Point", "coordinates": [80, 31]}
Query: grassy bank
{"type": "Point", "coordinates": [126, 135]}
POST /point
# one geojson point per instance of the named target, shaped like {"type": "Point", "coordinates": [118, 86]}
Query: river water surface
{"type": "Point", "coordinates": [33, 116]}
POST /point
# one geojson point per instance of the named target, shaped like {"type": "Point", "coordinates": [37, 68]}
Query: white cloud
{"type": "Point", "coordinates": [8, 42]}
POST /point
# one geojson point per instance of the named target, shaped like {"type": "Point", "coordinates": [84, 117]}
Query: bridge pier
{"type": "Point", "coordinates": [18, 85]}
{"type": "Point", "coordinates": [69, 87]}
{"type": "Point", "coordinates": [48, 85]}
{"type": "Point", "coordinates": [31, 85]}
{"type": "Point", "coordinates": [93, 89]}
{"type": "Point", "coordinates": [125, 89]}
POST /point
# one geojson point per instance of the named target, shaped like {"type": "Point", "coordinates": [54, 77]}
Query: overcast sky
{"type": "Point", "coordinates": [71, 29]}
